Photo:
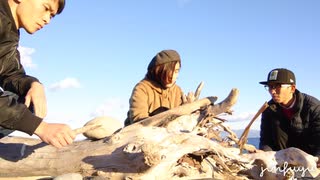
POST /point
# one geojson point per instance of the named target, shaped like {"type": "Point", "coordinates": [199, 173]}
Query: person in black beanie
{"type": "Point", "coordinates": [157, 91]}
{"type": "Point", "coordinates": [292, 118]}
{"type": "Point", "coordinates": [22, 97]}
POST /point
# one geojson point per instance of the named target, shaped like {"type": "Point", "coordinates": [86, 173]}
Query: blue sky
{"type": "Point", "coordinates": [91, 56]}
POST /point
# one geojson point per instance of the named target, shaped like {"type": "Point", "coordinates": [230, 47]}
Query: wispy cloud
{"type": "Point", "coordinates": [114, 107]}
{"type": "Point", "coordinates": [26, 59]}
{"type": "Point", "coordinates": [243, 116]}
{"type": "Point", "coordinates": [66, 83]}
{"type": "Point", "coordinates": [241, 120]}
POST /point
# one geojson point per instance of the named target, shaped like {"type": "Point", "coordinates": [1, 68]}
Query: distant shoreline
{"type": "Point", "coordinates": [254, 141]}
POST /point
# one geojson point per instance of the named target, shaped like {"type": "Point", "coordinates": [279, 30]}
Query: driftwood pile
{"type": "Point", "coordinates": [188, 142]}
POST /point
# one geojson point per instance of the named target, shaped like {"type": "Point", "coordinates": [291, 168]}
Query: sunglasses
{"type": "Point", "coordinates": [276, 86]}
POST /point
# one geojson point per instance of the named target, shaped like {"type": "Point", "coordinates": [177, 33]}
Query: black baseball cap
{"type": "Point", "coordinates": [281, 76]}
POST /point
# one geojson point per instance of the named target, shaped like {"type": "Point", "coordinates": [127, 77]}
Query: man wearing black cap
{"type": "Point", "coordinates": [292, 118]}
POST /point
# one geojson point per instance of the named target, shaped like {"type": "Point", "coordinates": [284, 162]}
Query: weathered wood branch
{"type": "Point", "coordinates": [156, 148]}
{"type": "Point", "coordinates": [198, 91]}
{"type": "Point", "coordinates": [87, 157]}
{"type": "Point", "coordinates": [225, 105]}
{"type": "Point", "coordinates": [164, 118]}
{"type": "Point", "coordinates": [244, 137]}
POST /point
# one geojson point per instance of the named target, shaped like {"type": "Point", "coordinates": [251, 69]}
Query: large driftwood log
{"type": "Point", "coordinates": [162, 119]}
{"type": "Point", "coordinates": [178, 144]}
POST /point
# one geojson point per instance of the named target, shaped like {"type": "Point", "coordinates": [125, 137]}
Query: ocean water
{"type": "Point", "coordinates": [254, 141]}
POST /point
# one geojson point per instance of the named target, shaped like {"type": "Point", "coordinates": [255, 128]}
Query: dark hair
{"type": "Point", "coordinates": [162, 73]}
{"type": "Point", "coordinates": [62, 3]}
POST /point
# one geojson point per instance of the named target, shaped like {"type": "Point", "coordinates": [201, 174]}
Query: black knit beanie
{"type": "Point", "coordinates": [163, 57]}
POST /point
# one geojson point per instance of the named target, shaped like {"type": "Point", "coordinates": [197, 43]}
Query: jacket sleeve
{"type": "Point", "coordinates": [265, 133]}
{"type": "Point", "coordinates": [17, 116]}
{"type": "Point", "coordinates": [138, 109]}
{"type": "Point", "coordinates": [315, 125]}
{"type": "Point", "coordinates": [12, 74]}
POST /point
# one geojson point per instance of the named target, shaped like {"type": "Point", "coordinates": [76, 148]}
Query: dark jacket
{"type": "Point", "coordinates": [302, 131]}
{"type": "Point", "coordinates": [13, 115]}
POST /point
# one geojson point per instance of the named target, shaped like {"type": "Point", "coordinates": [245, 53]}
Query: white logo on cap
{"type": "Point", "coordinates": [273, 75]}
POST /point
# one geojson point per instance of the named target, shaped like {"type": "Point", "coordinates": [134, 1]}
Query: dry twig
{"type": "Point", "coordinates": [244, 136]}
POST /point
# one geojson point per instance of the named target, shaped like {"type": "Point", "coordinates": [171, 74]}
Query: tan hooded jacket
{"type": "Point", "coordinates": [148, 97]}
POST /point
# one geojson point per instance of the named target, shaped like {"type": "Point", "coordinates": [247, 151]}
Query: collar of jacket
{"type": "Point", "coordinates": [5, 9]}
{"type": "Point", "coordinates": [156, 86]}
